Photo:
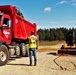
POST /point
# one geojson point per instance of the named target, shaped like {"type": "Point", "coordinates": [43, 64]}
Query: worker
{"type": "Point", "coordinates": [33, 46]}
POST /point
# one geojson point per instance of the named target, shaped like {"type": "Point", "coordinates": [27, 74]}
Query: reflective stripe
{"type": "Point", "coordinates": [32, 41]}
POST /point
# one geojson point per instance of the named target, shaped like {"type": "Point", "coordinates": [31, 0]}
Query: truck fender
{"type": "Point", "coordinates": [2, 42]}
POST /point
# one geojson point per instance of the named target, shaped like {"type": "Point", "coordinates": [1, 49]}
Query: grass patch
{"type": "Point", "coordinates": [48, 43]}
{"type": "Point", "coordinates": [45, 49]}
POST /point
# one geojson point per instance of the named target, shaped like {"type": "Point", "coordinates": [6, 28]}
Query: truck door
{"type": "Point", "coordinates": [7, 35]}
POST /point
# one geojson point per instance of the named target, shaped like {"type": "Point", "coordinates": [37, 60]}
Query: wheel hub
{"type": "Point", "coordinates": [2, 56]}
{"type": "Point", "coordinates": [23, 48]}
{"type": "Point", "coordinates": [17, 50]}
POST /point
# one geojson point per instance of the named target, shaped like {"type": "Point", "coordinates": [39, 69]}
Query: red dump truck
{"type": "Point", "coordinates": [14, 31]}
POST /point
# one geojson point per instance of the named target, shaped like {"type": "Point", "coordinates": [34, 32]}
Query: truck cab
{"type": "Point", "coordinates": [5, 28]}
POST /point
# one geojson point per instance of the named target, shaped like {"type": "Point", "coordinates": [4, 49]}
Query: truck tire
{"type": "Point", "coordinates": [22, 49]}
{"type": "Point", "coordinates": [17, 49]}
{"type": "Point", "coordinates": [4, 55]}
{"type": "Point", "coordinates": [27, 50]}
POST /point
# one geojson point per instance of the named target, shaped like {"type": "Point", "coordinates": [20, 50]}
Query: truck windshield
{"type": "Point", "coordinates": [0, 18]}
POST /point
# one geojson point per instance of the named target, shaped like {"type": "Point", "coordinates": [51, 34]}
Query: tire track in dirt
{"type": "Point", "coordinates": [74, 65]}
{"type": "Point", "coordinates": [57, 63]}
{"type": "Point", "coordinates": [62, 66]}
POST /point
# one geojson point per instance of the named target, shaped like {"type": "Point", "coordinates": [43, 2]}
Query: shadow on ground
{"type": "Point", "coordinates": [53, 53]}
{"type": "Point", "coordinates": [19, 64]}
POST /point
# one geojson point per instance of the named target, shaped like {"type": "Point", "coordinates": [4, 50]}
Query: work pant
{"type": "Point", "coordinates": [32, 52]}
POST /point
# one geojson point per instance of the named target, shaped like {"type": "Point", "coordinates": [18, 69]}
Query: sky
{"type": "Point", "coordinates": [47, 13]}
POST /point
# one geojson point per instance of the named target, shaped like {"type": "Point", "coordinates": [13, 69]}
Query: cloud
{"type": "Point", "coordinates": [48, 9]}
{"type": "Point", "coordinates": [73, 0]}
{"type": "Point", "coordinates": [62, 2]}
{"type": "Point", "coordinates": [73, 4]}
{"type": "Point", "coordinates": [67, 1]}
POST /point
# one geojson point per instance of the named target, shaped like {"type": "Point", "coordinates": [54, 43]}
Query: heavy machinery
{"type": "Point", "coordinates": [69, 46]}
{"type": "Point", "coordinates": [14, 31]}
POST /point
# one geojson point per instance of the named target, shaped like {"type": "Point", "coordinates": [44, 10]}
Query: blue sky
{"type": "Point", "coordinates": [47, 13]}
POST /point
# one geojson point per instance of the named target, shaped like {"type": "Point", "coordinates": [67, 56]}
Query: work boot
{"type": "Point", "coordinates": [35, 64]}
{"type": "Point", "coordinates": [30, 64]}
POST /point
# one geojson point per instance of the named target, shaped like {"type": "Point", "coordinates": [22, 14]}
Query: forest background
{"type": "Point", "coordinates": [53, 34]}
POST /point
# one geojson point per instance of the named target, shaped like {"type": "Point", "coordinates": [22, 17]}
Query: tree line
{"type": "Point", "coordinates": [53, 33]}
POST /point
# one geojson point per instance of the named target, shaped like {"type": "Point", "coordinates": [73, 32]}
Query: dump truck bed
{"type": "Point", "coordinates": [23, 28]}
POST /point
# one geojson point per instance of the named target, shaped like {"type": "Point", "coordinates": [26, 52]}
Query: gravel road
{"type": "Point", "coordinates": [48, 64]}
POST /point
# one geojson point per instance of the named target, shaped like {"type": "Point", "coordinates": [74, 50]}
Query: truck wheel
{"type": "Point", "coordinates": [17, 50]}
{"type": "Point", "coordinates": [27, 50]}
{"type": "Point", "coordinates": [3, 55]}
{"type": "Point", "coordinates": [23, 49]}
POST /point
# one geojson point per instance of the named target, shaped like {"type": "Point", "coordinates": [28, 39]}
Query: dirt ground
{"type": "Point", "coordinates": [48, 64]}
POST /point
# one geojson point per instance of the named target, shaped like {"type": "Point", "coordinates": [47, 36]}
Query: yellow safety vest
{"type": "Point", "coordinates": [32, 41]}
